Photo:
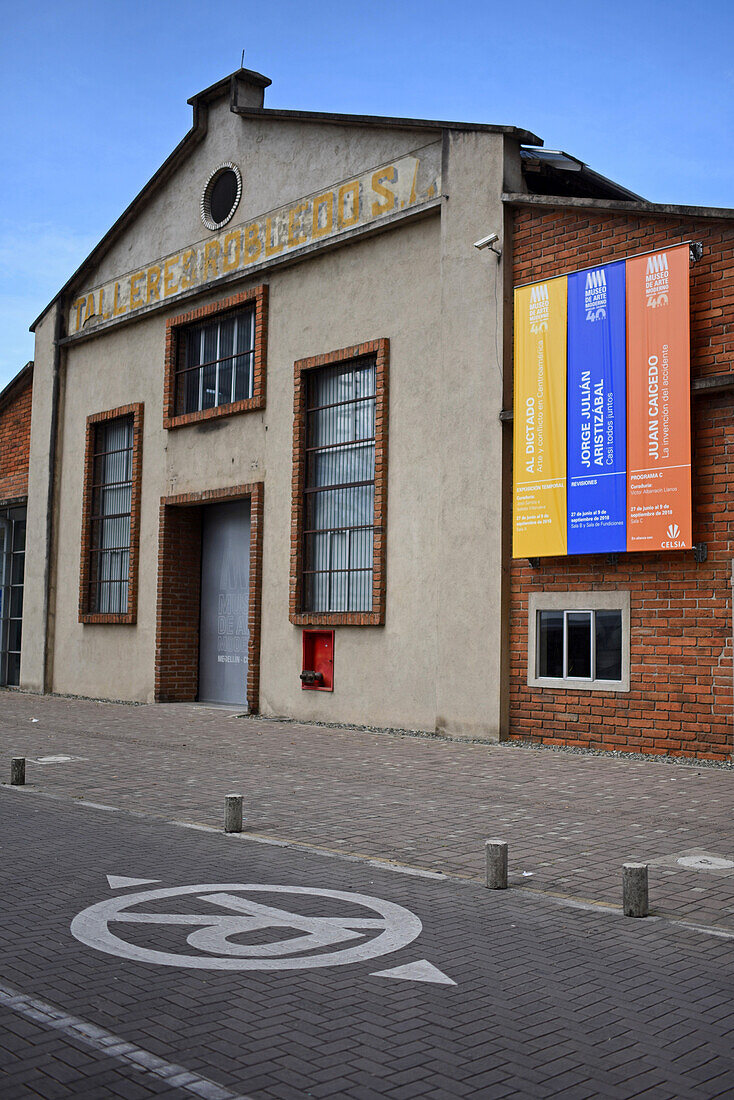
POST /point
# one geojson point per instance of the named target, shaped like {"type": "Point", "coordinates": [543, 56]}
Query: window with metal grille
{"type": "Point", "coordinates": [12, 559]}
{"type": "Point", "coordinates": [216, 363]}
{"type": "Point", "coordinates": [109, 542]}
{"type": "Point", "coordinates": [339, 493]}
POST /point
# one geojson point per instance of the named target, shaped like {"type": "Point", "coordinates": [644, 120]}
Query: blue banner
{"type": "Point", "coordinates": [597, 411]}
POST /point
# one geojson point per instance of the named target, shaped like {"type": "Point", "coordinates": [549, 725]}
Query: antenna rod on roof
{"type": "Point", "coordinates": [242, 61]}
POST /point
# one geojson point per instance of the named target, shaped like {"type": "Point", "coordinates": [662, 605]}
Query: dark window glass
{"type": "Point", "coordinates": [608, 645]}
{"type": "Point", "coordinates": [109, 565]}
{"type": "Point", "coordinates": [564, 649]}
{"type": "Point", "coordinates": [12, 544]}
{"type": "Point", "coordinates": [550, 643]}
{"type": "Point", "coordinates": [223, 195]}
{"type": "Point", "coordinates": [216, 363]}
{"type": "Point", "coordinates": [578, 645]}
{"type": "Point", "coordinates": [339, 502]}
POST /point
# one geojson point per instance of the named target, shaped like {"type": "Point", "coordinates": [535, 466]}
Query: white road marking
{"type": "Point", "coordinates": [119, 882]}
{"type": "Point", "coordinates": [217, 936]}
{"type": "Point", "coordinates": [112, 1045]}
{"type": "Point", "coordinates": [420, 971]}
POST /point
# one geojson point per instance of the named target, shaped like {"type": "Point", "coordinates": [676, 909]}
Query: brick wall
{"type": "Point", "coordinates": [15, 440]}
{"type": "Point", "coordinates": [680, 702]}
{"type": "Point", "coordinates": [179, 592]}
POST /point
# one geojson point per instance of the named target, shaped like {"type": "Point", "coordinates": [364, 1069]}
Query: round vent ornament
{"type": "Point", "coordinates": [221, 195]}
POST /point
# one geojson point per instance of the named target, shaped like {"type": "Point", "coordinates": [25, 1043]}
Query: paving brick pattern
{"type": "Point", "coordinates": [549, 1002]}
{"type": "Point", "coordinates": [571, 820]}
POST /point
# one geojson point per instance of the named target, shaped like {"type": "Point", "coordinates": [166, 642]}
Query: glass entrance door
{"type": "Point", "coordinates": [12, 565]}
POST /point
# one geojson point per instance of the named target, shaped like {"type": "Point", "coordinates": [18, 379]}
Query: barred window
{"type": "Point", "coordinates": [339, 504]}
{"type": "Point", "coordinates": [216, 363]}
{"type": "Point", "coordinates": [109, 543]}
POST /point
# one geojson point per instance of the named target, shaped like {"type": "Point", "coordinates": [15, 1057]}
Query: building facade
{"type": "Point", "coordinates": [270, 453]}
{"type": "Point", "coordinates": [674, 695]}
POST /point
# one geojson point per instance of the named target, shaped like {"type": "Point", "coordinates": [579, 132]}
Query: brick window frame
{"type": "Point", "coordinates": [380, 350]}
{"type": "Point", "coordinates": [257, 296]}
{"type": "Point", "coordinates": [130, 616]}
{"type": "Point", "coordinates": [179, 592]}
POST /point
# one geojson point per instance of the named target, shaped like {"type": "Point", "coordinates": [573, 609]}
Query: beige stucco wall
{"type": "Point", "coordinates": [435, 663]}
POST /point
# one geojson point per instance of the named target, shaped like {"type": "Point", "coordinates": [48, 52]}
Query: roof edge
{"type": "Point", "coordinates": [222, 87]}
{"type": "Point", "coordinates": [724, 213]}
{"type": "Point", "coordinates": [23, 378]}
{"type": "Point", "coordinates": [329, 118]}
{"type": "Point", "coordinates": [166, 170]}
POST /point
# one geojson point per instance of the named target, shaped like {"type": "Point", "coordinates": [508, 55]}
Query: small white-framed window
{"type": "Point", "coordinates": [579, 640]}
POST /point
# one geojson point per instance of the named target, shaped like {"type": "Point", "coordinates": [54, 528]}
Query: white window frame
{"type": "Point", "coordinates": [578, 601]}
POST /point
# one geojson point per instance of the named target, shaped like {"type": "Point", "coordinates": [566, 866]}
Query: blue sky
{"type": "Point", "coordinates": [94, 98]}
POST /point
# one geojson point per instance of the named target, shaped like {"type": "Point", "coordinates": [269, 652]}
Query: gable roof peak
{"type": "Point", "coordinates": [245, 88]}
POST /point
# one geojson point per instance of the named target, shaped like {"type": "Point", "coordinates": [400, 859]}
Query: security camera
{"type": "Point", "coordinates": [487, 242]}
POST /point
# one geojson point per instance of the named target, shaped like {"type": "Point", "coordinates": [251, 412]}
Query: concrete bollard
{"type": "Point", "coordinates": [233, 813]}
{"type": "Point", "coordinates": [496, 864]}
{"type": "Point", "coordinates": [634, 889]}
{"type": "Point", "coordinates": [17, 771]}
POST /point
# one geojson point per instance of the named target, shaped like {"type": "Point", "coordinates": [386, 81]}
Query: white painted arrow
{"type": "Point", "coordinates": [118, 882]}
{"type": "Point", "coordinates": [421, 971]}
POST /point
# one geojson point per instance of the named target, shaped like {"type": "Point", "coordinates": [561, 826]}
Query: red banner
{"type": "Point", "coordinates": [658, 402]}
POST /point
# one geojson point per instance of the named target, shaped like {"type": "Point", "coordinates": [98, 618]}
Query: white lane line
{"type": "Point", "coordinates": [106, 1043]}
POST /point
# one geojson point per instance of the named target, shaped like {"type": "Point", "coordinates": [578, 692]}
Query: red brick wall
{"type": "Point", "coordinates": [179, 586]}
{"type": "Point", "coordinates": [15, 443]}
{"type": "Point", "coordinates": [680, 702]}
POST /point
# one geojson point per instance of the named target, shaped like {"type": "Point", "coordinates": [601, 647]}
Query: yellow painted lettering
{"type": "Point", "coordinates": [78, 306]}
{"type": "Point", "coordinates": [153, 285]}
{"type": "Point", "coordinates": [378, 186]}
{"type": "Point", "coordinates": [253, 246]}
{"type": "Point", "coordinates": [135, 290]}
{"type": "Point", "coordinates": [105, 316]}
{"type": "Point", "coordinates": [325, 201]}
{"type": "Point", "coordinates": [270, 248]}
{"type": "Point", "coordinates": [344, 215]}
{"type": "Point", "coordinates": [415, 180]}
{"type": "Point", "coordinates": [233, 262]}
{"type": "Point", "coordinates": [89, 310]}
{"type": "Point", "coordinates": [189, 269]}
{"type": "Point", "coordinates": [170, 285]}
{"type": "Point", "coordinates": [211, 256]}
{"type": "Point", "coordinates": [117, 309]}
{"type": "Point", "coordinates": [296, 233]}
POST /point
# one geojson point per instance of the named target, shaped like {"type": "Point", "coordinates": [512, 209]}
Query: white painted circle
{"type": "Point", "coordinates": [212, 932]}
{"type": "Point", "coordinates": [705, 863]}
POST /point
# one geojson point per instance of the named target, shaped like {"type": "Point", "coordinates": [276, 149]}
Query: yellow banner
{"type": "Point", "coordinates": [539, 451]}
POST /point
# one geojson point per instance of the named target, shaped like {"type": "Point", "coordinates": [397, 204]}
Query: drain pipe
{"type": "Point", "coordinates": [51, 491]}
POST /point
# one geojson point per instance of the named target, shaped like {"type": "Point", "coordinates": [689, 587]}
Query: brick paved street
{"type": "Point", "coordinates": [571, 820]}
{"type": "Point", "coordinates": [548, 1001]}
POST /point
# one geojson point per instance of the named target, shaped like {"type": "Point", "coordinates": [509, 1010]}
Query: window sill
{"type": "Point", "coordinates": [116, 619]}
{"type": "Point", "coordinates": [578, 685]}
{"type": "Point", "coordinates": [337, 618]}
{"type": "Point", "coordinates": [249, 404]}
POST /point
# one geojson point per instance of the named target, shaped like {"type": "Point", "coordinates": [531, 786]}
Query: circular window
{"type": "Point", "coordinates": [221, 195]}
